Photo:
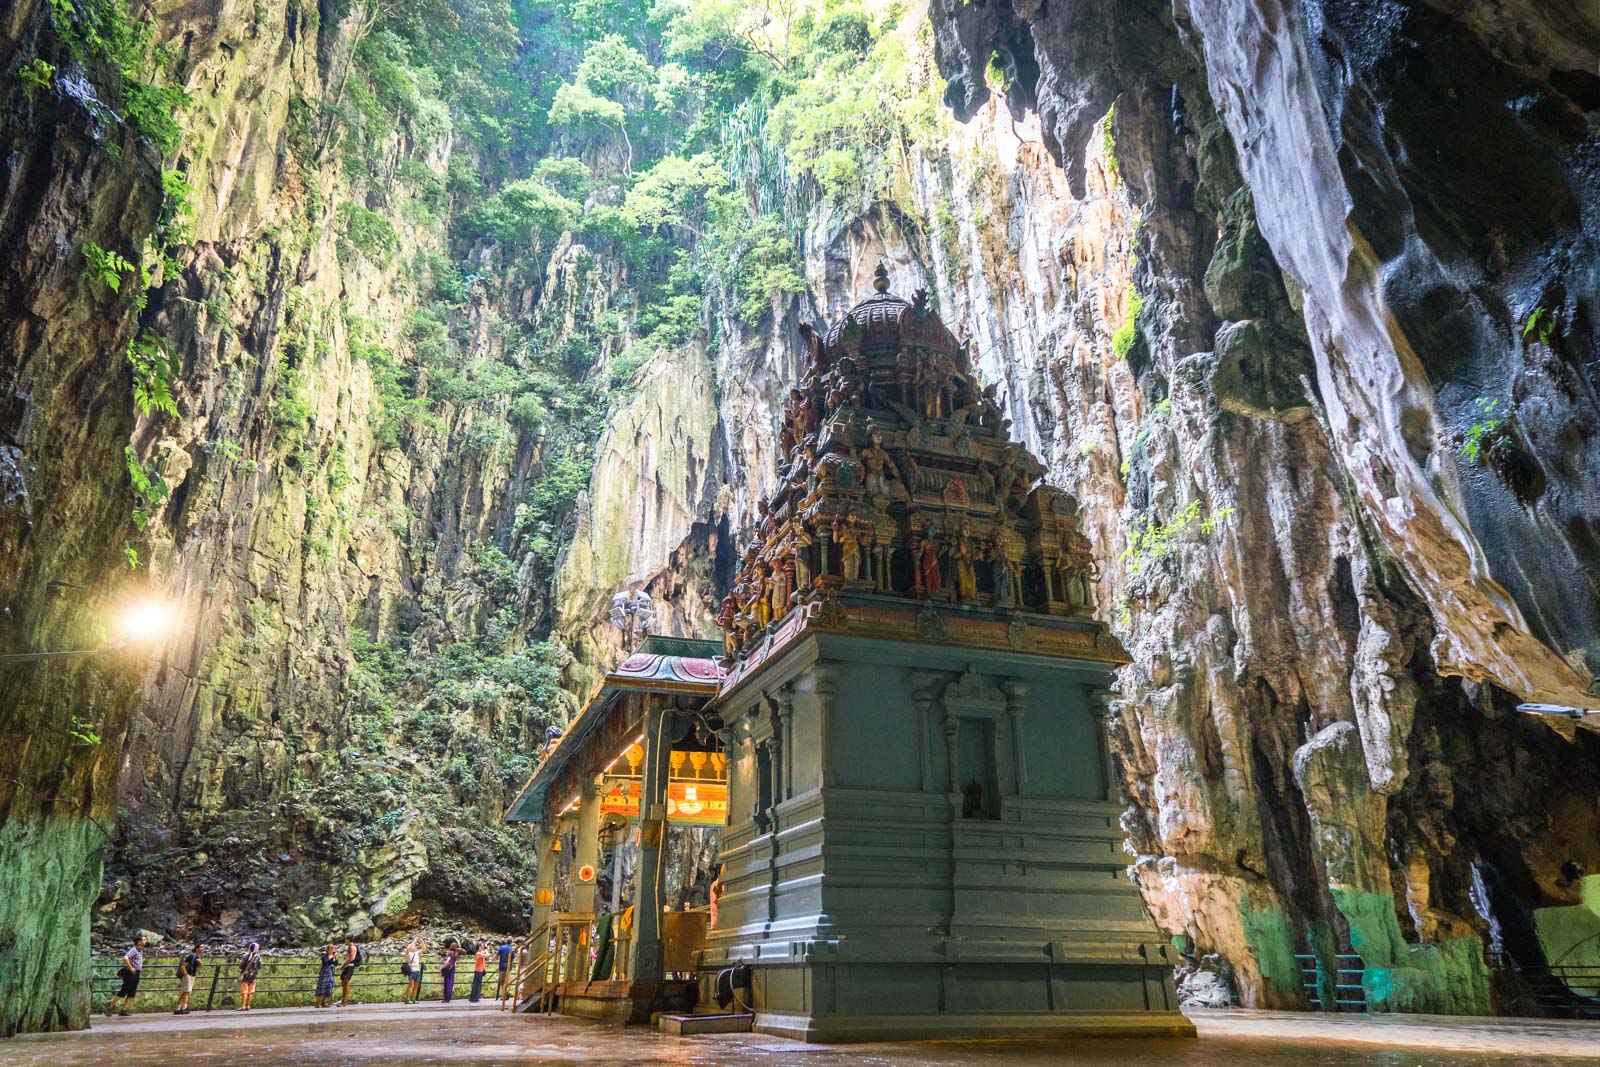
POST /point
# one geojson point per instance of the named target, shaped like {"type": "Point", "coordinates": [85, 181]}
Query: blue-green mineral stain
{"type": "Point", "coordinates": [1448, 977]}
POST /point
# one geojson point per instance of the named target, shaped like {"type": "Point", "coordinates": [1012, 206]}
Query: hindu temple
{"type": "Point", "coordinates": [920, 836]}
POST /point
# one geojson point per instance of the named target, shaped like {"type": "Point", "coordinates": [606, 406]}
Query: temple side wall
{"type": "Point", "coordinates": [879, 895]}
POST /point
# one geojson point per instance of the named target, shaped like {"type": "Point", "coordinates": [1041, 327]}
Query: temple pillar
{"type": "Point", "coordinates": [1100, 710]}
{"type": "Point", "coordinates": [586, 850]}
{"type": "Point", "coordinates": [1016, 693]}
{"type": "Point", "coordinates": [648, 961]}
{"type": "Point", "coordinates": [544, 879]}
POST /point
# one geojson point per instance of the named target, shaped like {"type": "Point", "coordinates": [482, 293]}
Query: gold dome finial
{"type": "Point", "coordinates": [880, 278]}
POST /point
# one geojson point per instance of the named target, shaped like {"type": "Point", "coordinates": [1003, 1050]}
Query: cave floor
{"type": "Point", "coordinates": [459, 1033]}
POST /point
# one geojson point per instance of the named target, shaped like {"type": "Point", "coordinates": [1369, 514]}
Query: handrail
{"type": "Point", "coordinates": [526, 962]}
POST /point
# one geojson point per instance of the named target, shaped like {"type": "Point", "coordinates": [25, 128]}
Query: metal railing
{"type": "Point", "coordinates": [284, 981]}
{"type": "Point", "coordinates": [1562, 991]}
{"type": "Point", "coordinates": [1348, 994]}
{"type": "Point", "coordinates": [531, 960]}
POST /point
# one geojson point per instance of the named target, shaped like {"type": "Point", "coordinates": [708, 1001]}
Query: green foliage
{"type": "Point", "coordinates": [368, 232]}
{"type": "Point", "coordinates": [1486, 428]}
{"type": "Point", "coordinates": [1122, 341]}
{"type": "Point", "coordinates": [82, 731]}
{"type": "Point", "coordinates": [1108, 140]}
{"type": "Point", "coordinates": [149, 488]}
{"type": "Point", "coordinates": [767, 268]}
{"type": "Point", "coordinates": [1150, 539]}
{"type": "Point", "coordinates": [290, 408]}
{"type": "Point", "coordinates": [105, 266]}
{"type": "Point", "coordinates": [35, 76]}
{"type": "Point", "coordinates": [524, 214]}
{"type": "Point", "coordinates": [1541, 324]}
{"type": "Point", "coordinates": [154, 370]}
{"type": "Point", "coordinates": [104, 32]}
{"type": "Point", "coordinates": [673, 191]}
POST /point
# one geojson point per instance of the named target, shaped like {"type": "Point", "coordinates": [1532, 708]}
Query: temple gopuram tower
{"type": "Point", "coordinates": [923, 839]}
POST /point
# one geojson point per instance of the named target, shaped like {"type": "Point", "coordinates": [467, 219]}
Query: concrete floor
{"type": "Point", "coordinates": [434, 1033]}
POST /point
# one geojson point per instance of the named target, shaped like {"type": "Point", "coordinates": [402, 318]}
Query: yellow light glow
{"type": "Point", "coordinates": [146, 621]}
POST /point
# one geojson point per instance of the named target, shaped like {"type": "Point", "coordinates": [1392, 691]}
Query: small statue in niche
{"type": "Point", "coordinates": [778, 595]}
{"type": "Point", "coordinates": [1005, 572]}
{"type": "Point", "coordinates": [963, 573]}
{"type": "Point", "coordinates": [844, 535]}
{"type": "Point", "coordinates": [844, 385]}
{"type": "Point", "coordinates": [928, 388]}
{"type": "Point", "coordinates": [883, 477]}
{"type": "Point", "coordinates": [763, 603]}
{"type": "Point", "coordinates": [800, 548]}
{"type": "Point", "coordinates": [910, 473]}
{"type": "Point", "coordinates": [928, 564]}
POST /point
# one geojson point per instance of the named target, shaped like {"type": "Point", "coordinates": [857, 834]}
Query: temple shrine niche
{"type": "Point", "coordinates": [923, 836]}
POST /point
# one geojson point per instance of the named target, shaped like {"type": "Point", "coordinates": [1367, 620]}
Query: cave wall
{"type": "Point", "coordinates": [1258, 368]}
{"type": "Point", "coordinates": [1340, 357]}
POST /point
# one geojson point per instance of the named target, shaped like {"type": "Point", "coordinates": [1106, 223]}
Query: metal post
{"type": "Point", "coordinates": [216, 975]}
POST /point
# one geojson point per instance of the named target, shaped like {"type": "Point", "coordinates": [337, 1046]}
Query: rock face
{"type": "Point", "coordinates": [1298, 299]}
{"type": "Point", "coordinates": [1358, 381]}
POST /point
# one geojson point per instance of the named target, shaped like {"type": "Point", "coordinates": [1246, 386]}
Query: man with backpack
{"type": "Point", "coordinates": [188, 967]}
{"type": "Point", "coordinates": [132, 965]}
{"type": "Point", "coordinates": [353, 958]}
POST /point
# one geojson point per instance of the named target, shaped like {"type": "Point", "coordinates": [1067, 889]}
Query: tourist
{"type": "Point", "coordinates": [413, 970]}
{"type": "Point", "coordinates": [188, 967]}
{"type": "Point", "coordinates": [504, 954]}
{"type": "Point", "coordinates": [249, 968]}
{"type": "Point", "coordinates": [132, 967]}
{"type": "Point", "coordinates": [326, 966]}
{"type": "Point", "coordinates": [480, 965]}
{"type": "Point", "coordinates": [447, 969]}
{"type": "Point", "coordinates": [353, 958]}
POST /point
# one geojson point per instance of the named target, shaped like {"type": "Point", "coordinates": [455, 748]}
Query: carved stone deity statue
{"type": "Point", "coordinates": [928, 565]}
{"type": "Point", "coordinates": [802, 562]}
{"type": "Point", "coordinates": [1005, 572]}
{"type": "Point", "coordinates": [849, 542]}
{"type": "Point", "coordinates": [763, 597]}
{"type": "Point", "coordinates": [726, 614]}
{"type": "Point", "coordinates": [883, 477]}
{"type": "Point", "coordinates": [964, 574]}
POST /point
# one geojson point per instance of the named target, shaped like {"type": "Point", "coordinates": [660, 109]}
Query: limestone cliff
{"type": "Point", "coordinates": [1297, 299]}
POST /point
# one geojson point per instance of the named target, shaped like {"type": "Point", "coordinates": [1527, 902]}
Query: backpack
{"type": "Point", "coordinates": [361, 956]}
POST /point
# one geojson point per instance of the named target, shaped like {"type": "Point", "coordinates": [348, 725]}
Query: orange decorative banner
{"type": "Point", "coordinates": [689, 802]}
{"type": "Point", "coordinates": [621, 797]}
{"type": "Point", "coordinates": [697, 803]}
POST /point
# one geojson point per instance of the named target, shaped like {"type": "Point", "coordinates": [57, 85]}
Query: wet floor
{"type": "Point", "coordinates": [483, 1036]}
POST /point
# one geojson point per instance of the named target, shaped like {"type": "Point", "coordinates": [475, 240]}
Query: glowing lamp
{"type": "Point", "coordinates": [146, 620]}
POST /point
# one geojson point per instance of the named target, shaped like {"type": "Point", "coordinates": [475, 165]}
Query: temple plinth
{"type": "Point", "coordinates": [923, 839]}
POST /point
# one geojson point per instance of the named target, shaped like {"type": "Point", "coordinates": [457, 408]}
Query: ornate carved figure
{"type": "Point", "coordinates": [1005, 572]}
{"type": "Point", "coordinates": [727, 613]}
{"type": "Point", "coordinates": [764, 598]}
{"type": "Point", "coordinates": [778, 595]}
{"type": "Point", "coordinates": [928, 565]}
{"type": "Point", "coordinates": [844, 535]}
{"type": "Point", "coordinates": [802, 562]}
{"type": "Point", "coordinates": [883, 477]}
{"type": "Point", "coordinates": [963, 572]}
